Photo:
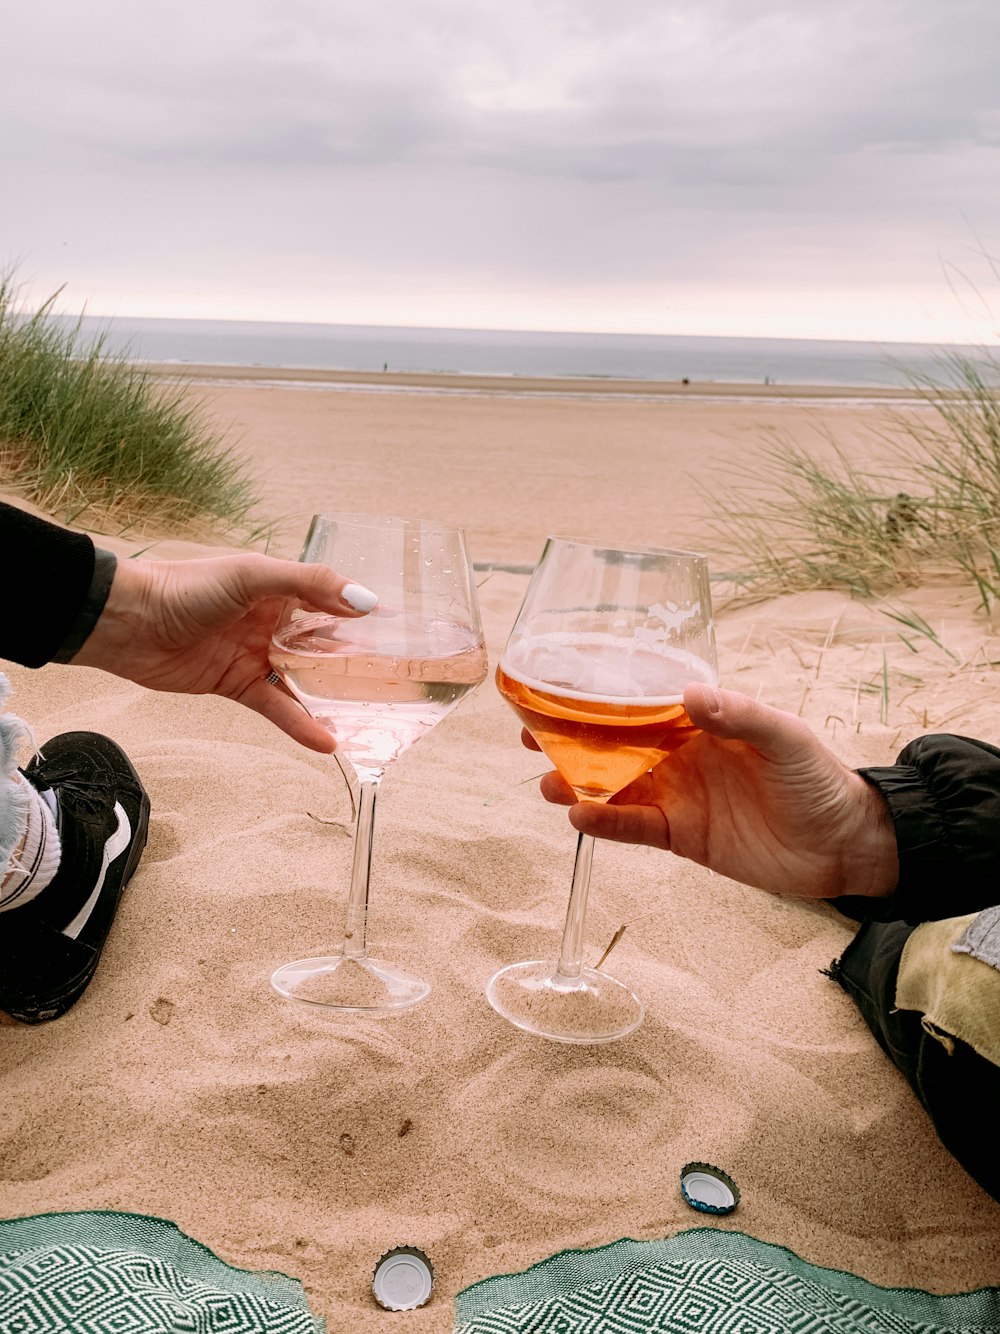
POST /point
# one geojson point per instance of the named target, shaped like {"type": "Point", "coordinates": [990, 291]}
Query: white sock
{"type": "Point", "coordinates": [35, 860]}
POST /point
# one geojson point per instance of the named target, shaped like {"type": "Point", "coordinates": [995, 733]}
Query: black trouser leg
{"type": "Point", "coordinates": [960, 1091]}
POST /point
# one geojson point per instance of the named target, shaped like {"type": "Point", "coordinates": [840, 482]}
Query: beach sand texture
{"type": "Point", "coordinates": [183, 1087]}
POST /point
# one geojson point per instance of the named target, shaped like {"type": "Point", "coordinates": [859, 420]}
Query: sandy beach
{"type": "Point", "coordinates": [182, 1086]}
{"type": "Point", "coordinates": [514, 465]}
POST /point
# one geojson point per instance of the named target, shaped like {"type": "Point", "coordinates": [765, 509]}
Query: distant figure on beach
{"type": "Point", "coordinates": [385, 366]}
{"type": "Point", "coordinates": [73, 822]}
{"type": "Point", "coordinates": [911, 850]}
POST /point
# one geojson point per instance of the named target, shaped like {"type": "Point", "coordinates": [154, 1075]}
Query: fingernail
{"type": "Point", "coordinates": [359, 597]}
{"type": "Point", "coordinates": [713, 701]}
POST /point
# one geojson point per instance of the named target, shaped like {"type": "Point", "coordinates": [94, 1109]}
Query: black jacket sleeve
{"type": "Point", "coordinates": [55, 585]}
{"type": "Point", "coordinates": [943, 795]}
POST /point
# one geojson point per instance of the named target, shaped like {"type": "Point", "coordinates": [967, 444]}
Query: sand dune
{"type": "Point", "coordinates": [183, 1087]}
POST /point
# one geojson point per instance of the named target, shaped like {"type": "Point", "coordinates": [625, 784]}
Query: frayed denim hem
{"type": "Point", "coordinates": [15, 797]}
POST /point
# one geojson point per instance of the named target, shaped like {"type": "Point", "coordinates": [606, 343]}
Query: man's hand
{"type": "Point", "coordinates": [203, 627]}
{"type": "Point", "coordinates": [755, 796]}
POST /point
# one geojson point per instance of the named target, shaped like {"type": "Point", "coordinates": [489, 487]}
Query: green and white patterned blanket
{"type": "Point", "coordinates": [113, 1273]}
{"type": "Point", "coordinates": [708, 1281]}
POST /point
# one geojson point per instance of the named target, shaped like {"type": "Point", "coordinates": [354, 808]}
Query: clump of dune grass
{"type": "Point", "coordinates": [86, 431]}
{"type": "Point", "coordinates": [795, 519]}
{"type": "Point", "coordinates": [957, 452]}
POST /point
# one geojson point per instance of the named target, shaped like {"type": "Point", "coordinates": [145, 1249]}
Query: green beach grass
{"type": "Point", "coordinates": [796, 519]}
{"type": "Point", "coordinates": [90, 436]}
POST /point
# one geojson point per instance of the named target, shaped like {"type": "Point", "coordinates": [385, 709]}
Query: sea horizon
{"type": "Point", "coordinates": [528, 353]}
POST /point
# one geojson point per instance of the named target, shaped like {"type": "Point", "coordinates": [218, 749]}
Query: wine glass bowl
{"type": "Point", "coordinates": [379, 682]}
{"type": "Point", "coordinates": [595, 668]}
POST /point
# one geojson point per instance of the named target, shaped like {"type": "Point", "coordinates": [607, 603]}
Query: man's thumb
{"type": "Point", "coordinates": [725, 713]}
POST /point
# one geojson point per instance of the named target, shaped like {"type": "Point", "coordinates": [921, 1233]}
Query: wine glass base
{"type": "Point", "coordinates": [363, 986]}
{"type": "Point", "coordinates": [590, 1008]}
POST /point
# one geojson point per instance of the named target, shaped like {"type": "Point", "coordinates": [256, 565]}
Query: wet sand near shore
{"type": "Point", "coordinates": [513, 384]}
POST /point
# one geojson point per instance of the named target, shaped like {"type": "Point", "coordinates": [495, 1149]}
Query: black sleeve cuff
{"type": "Point", "coordinates": [944, 800]}
{"type": "Point", "coordinates": [105, 564]}
{"type": "Point", "coordinates": [48, 570]}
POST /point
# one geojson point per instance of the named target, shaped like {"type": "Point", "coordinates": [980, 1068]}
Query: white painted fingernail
{"type": "Point", "coordinates": [359, 597]}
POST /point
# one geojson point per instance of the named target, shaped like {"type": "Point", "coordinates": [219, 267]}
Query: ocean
{"type": "Point", "coordinates": [588, 356]}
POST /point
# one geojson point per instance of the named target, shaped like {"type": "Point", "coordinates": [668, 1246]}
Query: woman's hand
{"type": "Point", "coordinates": [203, 627]}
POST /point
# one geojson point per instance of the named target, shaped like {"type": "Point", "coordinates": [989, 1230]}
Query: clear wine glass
{"type": "Point", "coordinates": [378, 682]}
{"type": "Point", "coordinates": [595, 668]}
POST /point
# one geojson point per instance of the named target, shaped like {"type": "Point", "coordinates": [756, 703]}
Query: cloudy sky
{"type": "Point", "coordinates": [773, 167]}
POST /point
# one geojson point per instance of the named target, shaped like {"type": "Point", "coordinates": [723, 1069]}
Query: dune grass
{"type": "Point", "coordinates": [797, 519]}
{"type": "Point", "coordinates": [87, 432]}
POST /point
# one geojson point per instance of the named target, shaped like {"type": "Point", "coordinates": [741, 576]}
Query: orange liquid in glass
{"type": "Point", "coordinates": [599, 745]}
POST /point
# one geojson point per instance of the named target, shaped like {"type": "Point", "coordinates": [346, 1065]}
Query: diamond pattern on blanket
{"type": "Point", "coordinates": [78, 1289]}
{"type": "Point", "coordinates": [740, 1291]}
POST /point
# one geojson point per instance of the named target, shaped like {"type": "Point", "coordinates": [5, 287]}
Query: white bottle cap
{"type": "Point", "coordinates": [709, 1189]}
{"type": "Point", "coordinates": [403, 1279]}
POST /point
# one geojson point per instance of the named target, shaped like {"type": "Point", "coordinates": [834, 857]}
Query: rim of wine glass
{"type": "Point", "coordinates": [383, 521]}
{"type": "Point", "coordinates": [629, 548]}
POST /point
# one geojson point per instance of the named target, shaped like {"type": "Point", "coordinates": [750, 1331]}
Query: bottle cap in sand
{"type": "Point", "coordinates": [403, 1279]}
{"type": "Point", "coordinates": [709, 1189]}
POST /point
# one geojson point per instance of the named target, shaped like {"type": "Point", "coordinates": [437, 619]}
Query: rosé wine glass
{"type": "Point", "coordinates": [379, 682]}
{"type": "Point", "coordinates": [595, 668]}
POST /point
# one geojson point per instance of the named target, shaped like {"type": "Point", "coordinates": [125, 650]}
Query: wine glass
{"type": "Point", "coordinates": [595, 668]}
{"type": "Point", "coordinates": [379, 682]}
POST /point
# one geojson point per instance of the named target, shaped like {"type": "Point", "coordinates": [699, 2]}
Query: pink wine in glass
{"type": "Point", "coordinates": [380, 682]}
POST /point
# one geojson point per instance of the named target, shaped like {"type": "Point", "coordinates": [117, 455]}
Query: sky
{"type": "Point", "coordinates": [781, 168]}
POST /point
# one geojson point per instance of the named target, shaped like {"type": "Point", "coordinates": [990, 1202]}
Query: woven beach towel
{"type": "Point", "coordinates": [708, 1281]}
{"type": "Point", "coordinates": [114, 1273]}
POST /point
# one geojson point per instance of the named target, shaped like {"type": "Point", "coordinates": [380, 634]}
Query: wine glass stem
{"type": "Point", "coordinates": [357, 903]}
{"type": "Point", "coordinates": [571, 953]}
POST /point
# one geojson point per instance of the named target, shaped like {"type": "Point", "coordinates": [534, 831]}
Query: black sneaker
{"type": "Point", "coordinates": [49, 948]}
